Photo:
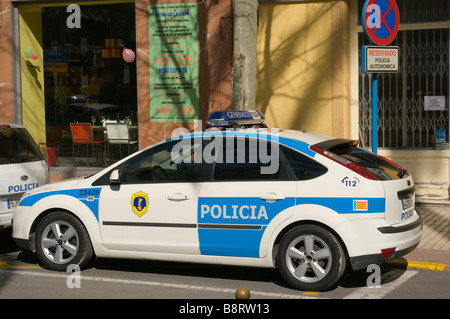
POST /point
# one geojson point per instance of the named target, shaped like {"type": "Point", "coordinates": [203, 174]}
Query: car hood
{"type": "Point", "coordinates": [65, 184]}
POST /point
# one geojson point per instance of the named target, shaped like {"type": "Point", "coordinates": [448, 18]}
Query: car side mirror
{"type": "Point", "coordinates": [114, 178]}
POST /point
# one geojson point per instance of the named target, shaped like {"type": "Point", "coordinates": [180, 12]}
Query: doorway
{"type": "Point", "coordinates": [78, 74]}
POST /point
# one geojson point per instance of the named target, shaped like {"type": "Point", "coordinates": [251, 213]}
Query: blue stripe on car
{"type": "Point", "coordinates": [88, 196]}
{"type": "Point", "coordinates": [218, 215]}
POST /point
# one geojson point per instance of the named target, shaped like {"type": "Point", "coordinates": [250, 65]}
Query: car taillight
{"type": "Point", "coordinates": [388, 252]}
{"type": "Point", "coordinates": [339, 159]}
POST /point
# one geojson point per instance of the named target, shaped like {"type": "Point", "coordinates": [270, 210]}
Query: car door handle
{"type": "Point", "coordinates": [271, 197]}
{"type": "Point", "coordinates": [178, 197]}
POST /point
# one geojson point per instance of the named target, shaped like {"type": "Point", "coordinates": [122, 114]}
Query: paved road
{"type": "Point", "coordinates": [423, 274]}
{"type": "Point", "coordinates": [21, 277]}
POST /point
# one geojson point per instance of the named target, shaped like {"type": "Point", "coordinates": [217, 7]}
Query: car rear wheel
{"type": "Point", "coordinates": [62, 240]}
{"type": "Point", "coordinates": [310, 258]}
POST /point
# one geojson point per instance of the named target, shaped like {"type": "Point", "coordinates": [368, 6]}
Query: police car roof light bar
{"type": "Point", "coordinates": [237, 118]}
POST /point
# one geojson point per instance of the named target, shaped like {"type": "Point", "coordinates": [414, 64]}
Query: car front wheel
{"type": "Point", "coordinates": [62, 240]}
{"type": "Point", "coordinates": [310, 258]}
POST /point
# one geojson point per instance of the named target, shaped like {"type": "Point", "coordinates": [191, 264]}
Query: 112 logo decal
{"type": "Point", "coordinates": [350, 182]}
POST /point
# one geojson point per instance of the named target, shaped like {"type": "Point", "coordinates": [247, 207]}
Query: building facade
{"type": "Point", "coordinates": [103, 61]}
{"type": "Point", "coordinates": [309, 77]}
{"type": "Point", "coordinates": [64, 64]}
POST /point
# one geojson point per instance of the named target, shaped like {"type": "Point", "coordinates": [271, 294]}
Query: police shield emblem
{"type": "Point", "coordinates": [139, 203]}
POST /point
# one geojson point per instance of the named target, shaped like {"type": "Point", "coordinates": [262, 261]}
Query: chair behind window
{"type": "Point", "coordinates": [82, 135]}
{"type": "Point", "coordinates": [118, 134]}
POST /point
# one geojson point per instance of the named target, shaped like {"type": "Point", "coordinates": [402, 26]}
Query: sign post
{"type": "Point", "coordinates": [380, 20]}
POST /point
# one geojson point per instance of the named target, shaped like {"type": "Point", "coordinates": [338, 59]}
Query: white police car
{"type": "Point", "coordinates": [22, 168]}
{"type": "Point", "coordinates": [308, 204]}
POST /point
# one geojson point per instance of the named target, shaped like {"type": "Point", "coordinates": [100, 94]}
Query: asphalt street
{"type": "Point", "coordinates": [422, 274]}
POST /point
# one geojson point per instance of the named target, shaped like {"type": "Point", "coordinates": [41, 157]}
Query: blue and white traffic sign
{"type": "Point", "coordinates": [380, 20]}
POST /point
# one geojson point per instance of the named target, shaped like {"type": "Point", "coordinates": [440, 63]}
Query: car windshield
{"type": "Point", "coordinates": [17, 146]}
{"type": "Point", "coordinates": [377, 165]}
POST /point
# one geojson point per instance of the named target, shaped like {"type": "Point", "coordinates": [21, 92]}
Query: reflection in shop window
{"type": "Point", "coordinates": [86, 78]}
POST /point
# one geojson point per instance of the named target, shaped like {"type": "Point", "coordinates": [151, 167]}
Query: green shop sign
{"type": "Point", "coordinates": [174, 69]}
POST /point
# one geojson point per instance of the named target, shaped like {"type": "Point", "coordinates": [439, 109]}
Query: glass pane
{"type": "Point", "coordinates": [178, 161]}
{"type": "Point", "coordinates": [86, 78]}
{"type": "Point", "coordinates": [16, 146]}
{"type": "Point", "coordinates": [303, 167]}
{"type": "Point", "coordinates": [245, 159]}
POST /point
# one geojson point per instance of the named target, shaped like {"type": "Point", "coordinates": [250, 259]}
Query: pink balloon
{"type": "Point", "coordinates": [34, 56]}
{"type": "Point", "coordinates": [128, 55]}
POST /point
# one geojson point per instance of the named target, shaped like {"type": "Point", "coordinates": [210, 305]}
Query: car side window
{"type": "Point", "coordinates": [303, 167]}
{"type": "Point", "coordinates": [177, 161]}
{"type": "Point", "coordinates": [247, 159]}
{"type": "Point", "coordinates": [17, 146]}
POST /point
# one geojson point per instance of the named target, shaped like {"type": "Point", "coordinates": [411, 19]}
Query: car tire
{"type": "Point", "coordinates": [311, 258]}
{"type": "Point", "coordinates": [62, 240]}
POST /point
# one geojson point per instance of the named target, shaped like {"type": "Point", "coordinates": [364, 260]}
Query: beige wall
{"type": "Point", "coordinates": [302, 73]}
{"type": "Point", "coordinates": [429, 168]}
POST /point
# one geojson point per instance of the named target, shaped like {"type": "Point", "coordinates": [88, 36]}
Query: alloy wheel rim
{"type": "Point", "coordinates": [60, 242]}
{"type": "Point", "coordinates": [308, 258]}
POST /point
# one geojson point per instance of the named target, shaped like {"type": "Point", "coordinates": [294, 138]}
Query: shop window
{"type": "Point", "coordinates": [405, 120]}
{"type": "Point", "coordinates": [85, 77]}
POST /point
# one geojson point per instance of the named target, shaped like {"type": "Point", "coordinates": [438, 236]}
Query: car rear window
{"type": "Point", "coordinates": [373, 163]}
{"type": "Point", "coordinates": [17, 146]}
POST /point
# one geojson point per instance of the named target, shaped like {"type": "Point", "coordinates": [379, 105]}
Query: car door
{"type": "Point", "coordinates": [153, 207]}
{"type": "Point", "coordinates": [250, 188]}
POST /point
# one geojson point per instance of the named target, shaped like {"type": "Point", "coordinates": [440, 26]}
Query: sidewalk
{"type": "Point", "coordinates": [435, 244]}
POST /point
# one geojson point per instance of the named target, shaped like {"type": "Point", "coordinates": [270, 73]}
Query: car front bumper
{"type": "Point", "coordinates": [5, 219]}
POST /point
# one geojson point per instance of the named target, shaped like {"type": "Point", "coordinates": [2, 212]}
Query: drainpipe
{"type": "Point", "coordinates": [244, 54]}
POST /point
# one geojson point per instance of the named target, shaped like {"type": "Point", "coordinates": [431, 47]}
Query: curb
{"type": "Point", "coordinates": [416, 264]}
